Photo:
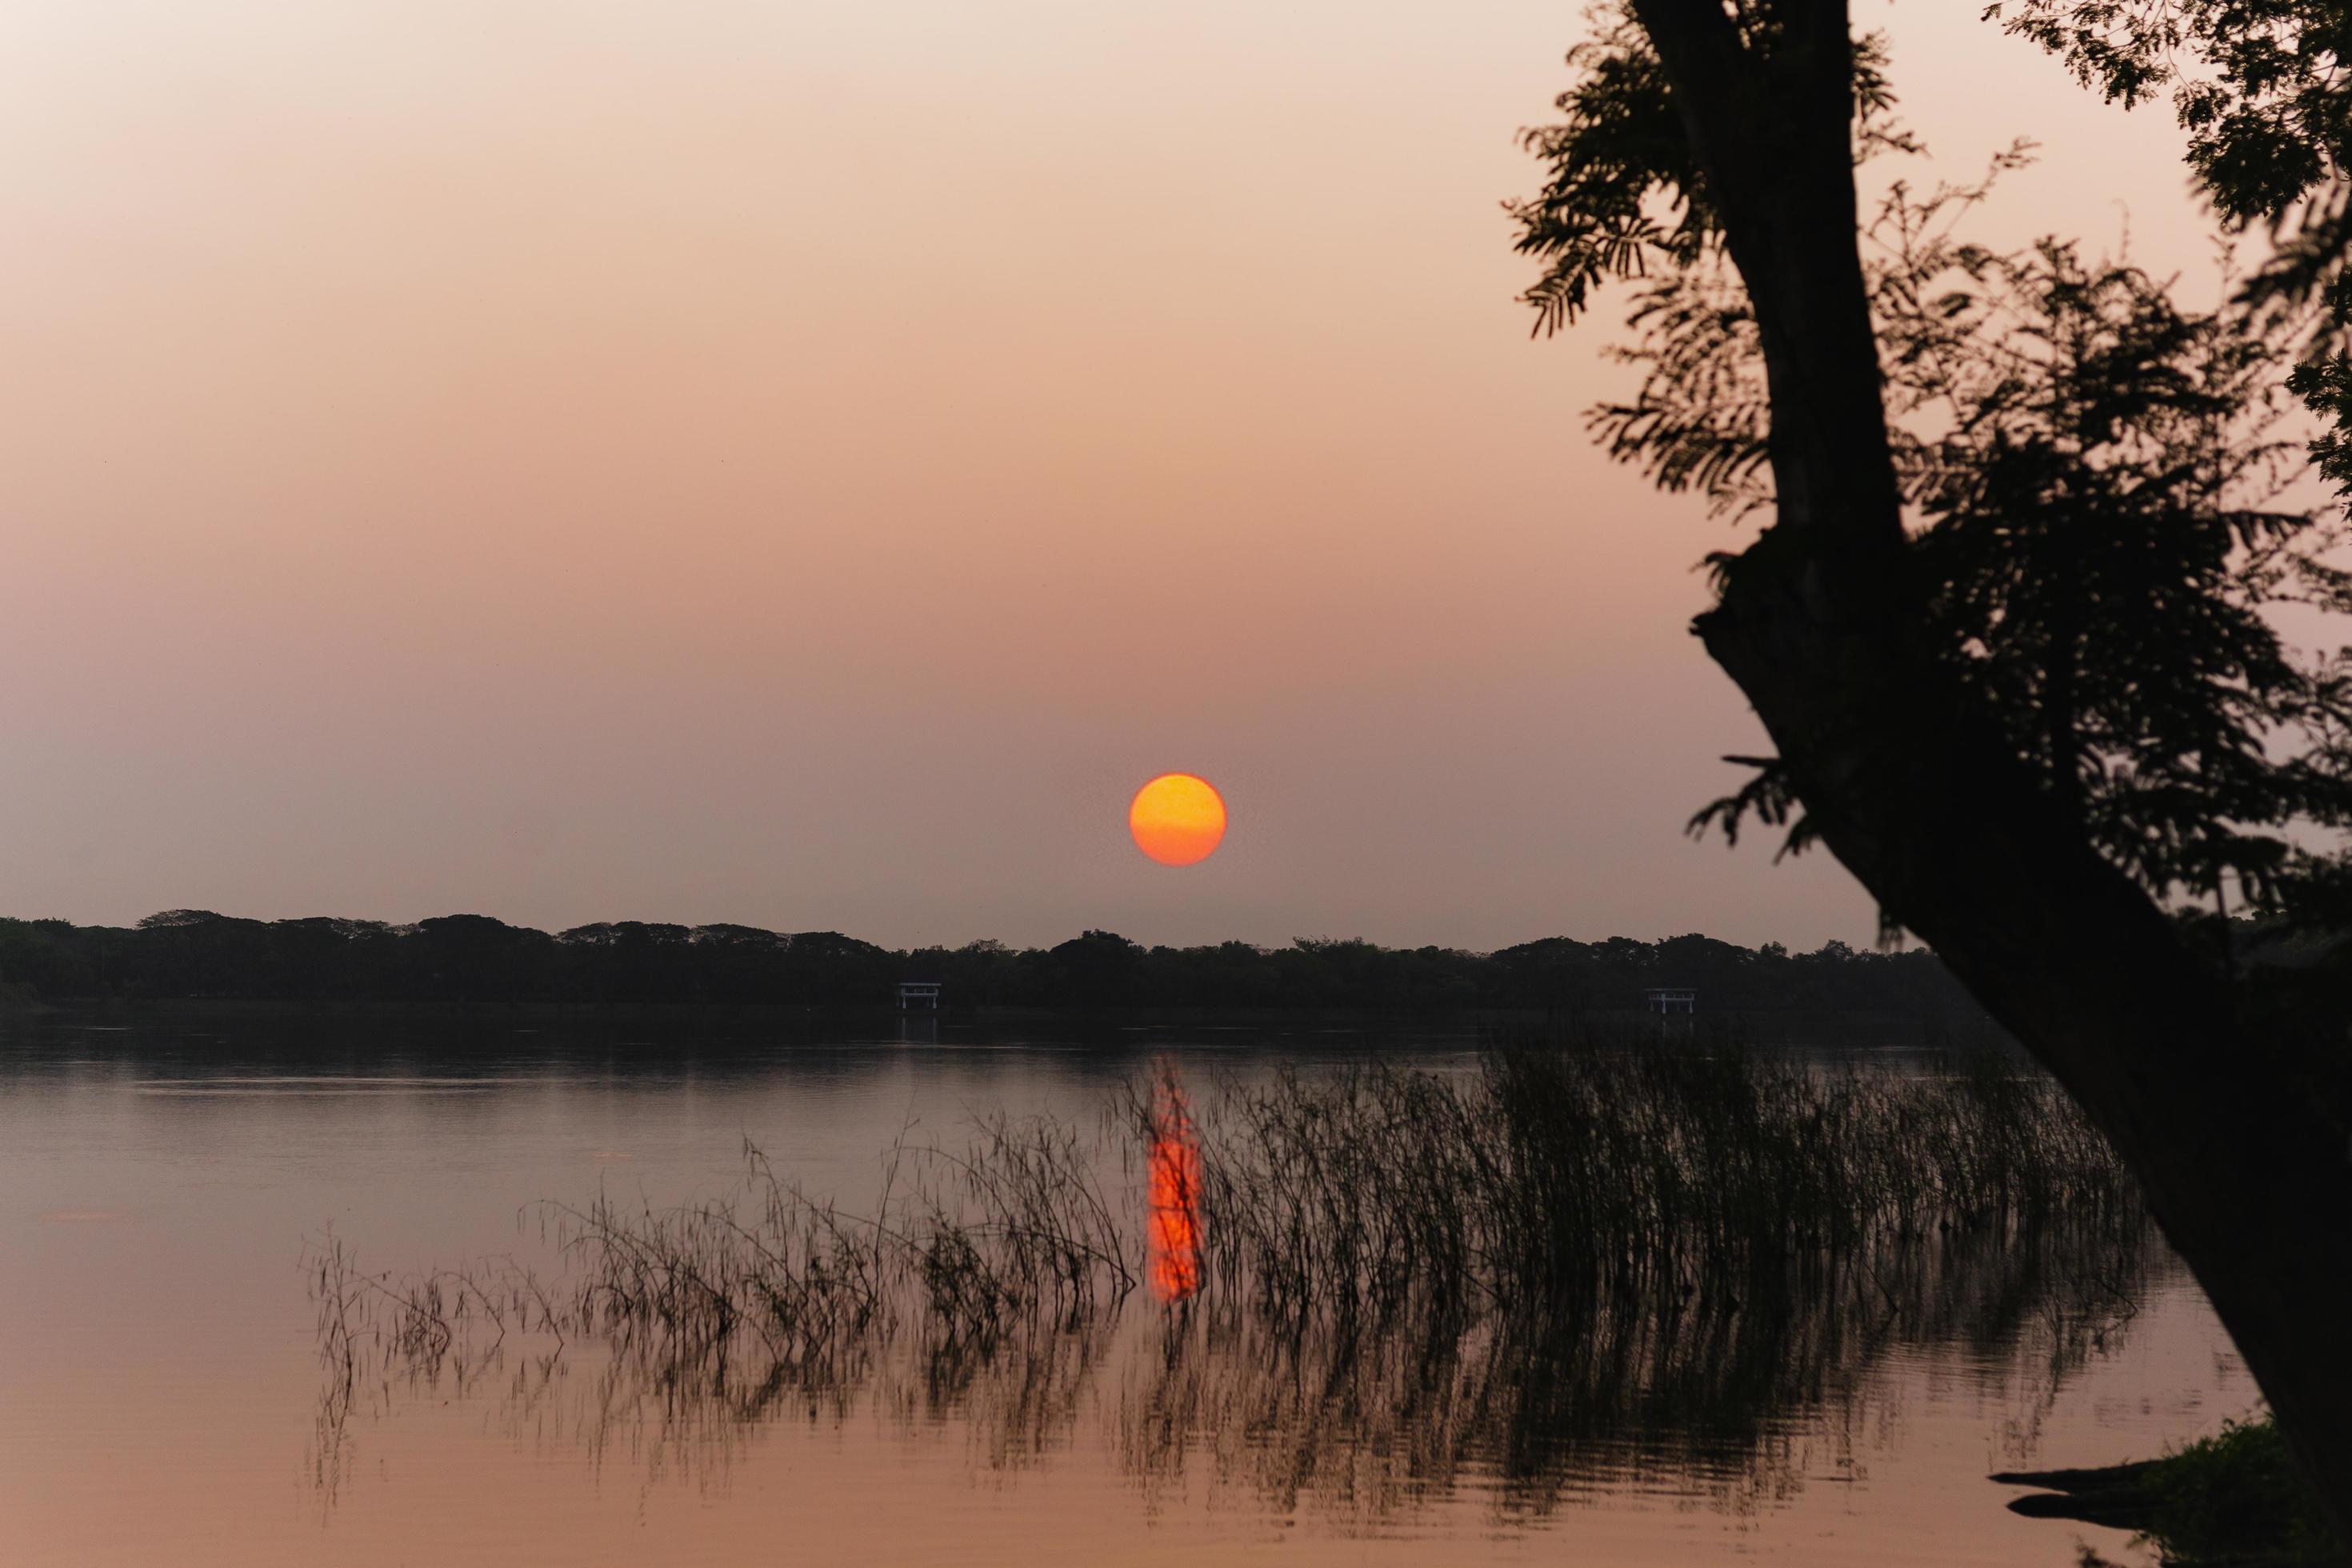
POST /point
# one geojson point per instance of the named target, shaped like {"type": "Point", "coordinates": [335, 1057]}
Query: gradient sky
{"type": "Point", "coordinates": [806, 464]}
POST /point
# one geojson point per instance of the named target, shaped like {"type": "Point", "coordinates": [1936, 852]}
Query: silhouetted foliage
{"type": "Point", "coordinates": [2095, 475]}
{"type": "Point", "coordinates": [2261, 87]}
{"type": "Point", "coordinates": [470, 958]}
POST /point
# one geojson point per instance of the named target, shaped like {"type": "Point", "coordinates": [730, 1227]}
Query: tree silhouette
{"type": "Point", "coordinates": [473, 961]}
{"type": "Point", "coordinates": [2009, 623]}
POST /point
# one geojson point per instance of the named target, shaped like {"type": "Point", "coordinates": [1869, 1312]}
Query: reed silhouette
{"type": "Point", "coordinates": [1560, 1269]}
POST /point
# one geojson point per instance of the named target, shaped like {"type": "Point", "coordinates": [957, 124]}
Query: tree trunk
{"type": "Point", "coordinates": [1821, 623]}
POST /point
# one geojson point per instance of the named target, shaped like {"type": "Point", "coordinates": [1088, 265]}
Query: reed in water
{"type": "Point", "coordinates": [1555, 1254]}
{"type": "Point", "coordinates": [1551, 1174]}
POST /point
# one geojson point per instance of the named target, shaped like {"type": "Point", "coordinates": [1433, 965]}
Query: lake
{"type": "Point", "coordinates": [171, 1179]}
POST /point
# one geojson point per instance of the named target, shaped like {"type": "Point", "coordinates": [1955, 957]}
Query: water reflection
{"type": "Point", "coordinates": [1336, 1366]}
{"type": "Point", "coordinates": [1173, 1216]}
{"type": "Point", "coordinates": [1720, 1396]}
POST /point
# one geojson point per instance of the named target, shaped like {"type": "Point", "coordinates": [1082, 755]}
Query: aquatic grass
{"type": "Point", "coordinates": [1528, 1264]}
{"type": "Point", "coordinates": [1011, 1231]}
{"type": "Point", "coordinates": [1557, 1174]}
{"type": "Point", "coordinates": [1542, 1177]}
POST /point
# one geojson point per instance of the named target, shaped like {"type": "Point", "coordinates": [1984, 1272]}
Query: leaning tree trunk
{"type": "Point", "coordinates": [1821, 622]}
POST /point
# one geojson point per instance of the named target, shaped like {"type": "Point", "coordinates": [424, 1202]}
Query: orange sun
{"type": "Point", "coordinates": [1177, 819]}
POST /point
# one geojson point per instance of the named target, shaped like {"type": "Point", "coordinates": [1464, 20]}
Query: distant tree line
{"type": "Point", "coordinates": [194, 953]}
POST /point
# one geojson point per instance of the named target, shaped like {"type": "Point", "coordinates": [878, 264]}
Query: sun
{"type": "Point", "coordinates": [1177, 819]}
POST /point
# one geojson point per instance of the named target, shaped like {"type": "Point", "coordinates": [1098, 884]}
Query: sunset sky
{"type": "Point", "coordinates": [807, 464]}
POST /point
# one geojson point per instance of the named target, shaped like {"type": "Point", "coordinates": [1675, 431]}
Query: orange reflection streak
{"type": "Point", "coordinates": [1174, 1233]}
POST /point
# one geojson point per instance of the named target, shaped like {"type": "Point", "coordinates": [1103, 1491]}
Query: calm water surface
{"type": "Point", "coordinates": [161, 1176]}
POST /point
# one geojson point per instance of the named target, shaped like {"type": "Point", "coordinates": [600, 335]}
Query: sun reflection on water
{"type": "Point", "coordinates": [1174, 1231]}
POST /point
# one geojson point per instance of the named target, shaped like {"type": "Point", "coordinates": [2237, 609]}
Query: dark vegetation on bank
{"type": "Point", "coordinates": [471, 959]}
{"type": "Point", "coordinates": [2235, 1498]}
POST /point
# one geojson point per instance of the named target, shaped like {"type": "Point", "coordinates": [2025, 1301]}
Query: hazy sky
{"type": "Point", "coordinates": [807, 463]}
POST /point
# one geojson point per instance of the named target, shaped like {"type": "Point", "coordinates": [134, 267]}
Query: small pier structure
{"type": "Point", "coordinates": [919, 993]}
{"type": "Point", "coordinates": [1667, 1000]}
